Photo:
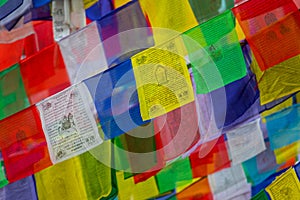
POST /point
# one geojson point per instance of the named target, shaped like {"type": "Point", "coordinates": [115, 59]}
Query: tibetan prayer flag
{"type": "Point", "coordinates": [241, 98]}
{"type": "Point", "coordinates": [245, 142]}
{"type": "Point", "coordinates": [278, 81]}
{"type": "Point", "coordinates": [271, 28]}
{"type": "Point", "coordinates": [261, 166]}
{"type": "Point", "coordinates": [83, 53]}
{"type": "Point", "coordinates": [162, 77]}
{"type": "Point", "coordinates": [13, 96]}
{"type": "Point", "coordinates": [141, 149]}
{"type": "Point", "coordinates": [10, 53]}
{"type": "Point", "coordinates": [209, 158]}
{"type": "Point", "coordinates": [175, 17]}
{"type": "Point", "coordinates": [277, 43]}
{"type": "Point", "coordinates": [230, 183]}
{"type": "Point", "coordinates": [283, 127]}
{"type": "Point", "coordinates": [61, 181]}
{"type": "Point", "coordinates": [23, 144]}
{"type": "Point", "coordinates": [44, 74]}
{"type": "Point", "coordinates": [218, 60]}
{"type": "Point", "coordinates": [128, 190]}
{"type": "Point", "coordinates": [114, 94]}
{"type": "Point", "coordinates": [256, 15]}
{"type": "Point", "coordinates": [178, 131]}
{"type": "Point", "coordinates": [68, 122]}
{"type": "Point", "coordinates": [124, 32]}
{"type": "Point", "coordinates": [288, 184]}
{"type": "Point", "coordinates": [95, 172]}
{"type": "Point", "coordinates": [168, 178]}
{"type": "Point", "coordinates": [44, 33]}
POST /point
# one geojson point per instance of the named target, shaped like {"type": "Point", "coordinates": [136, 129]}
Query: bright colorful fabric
{"type": "Point", "coordinates": [23, 144]}
{"type": "Point", "coordinates": [215, 67]}
{"type": "Point", "coordinates": [13, 96]}
{"type": "Point", "coordinates": [44, 74]}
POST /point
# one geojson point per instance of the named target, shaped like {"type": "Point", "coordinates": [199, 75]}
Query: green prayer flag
{"type": "Point", "coordinates": [176, 172]}
{"type": "Point", "coordinates": [221, 60]}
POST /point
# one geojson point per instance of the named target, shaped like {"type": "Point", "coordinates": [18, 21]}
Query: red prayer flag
{"type": "Point", "coordinates": [209, 158]}
{"type": "Point", "coordinates": [44, 74]}
{"type": "Point", "coordinates": [23, 144]}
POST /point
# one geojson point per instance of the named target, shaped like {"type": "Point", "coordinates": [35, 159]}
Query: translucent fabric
{"type": "Point", "coordinates": [261, 166]}
{"type": "Point", "coordinates": [44, 74]}
{"type": "Point", "coordinates": [15, 50]}
{"type": "Point", "coordinates": [176, 16]}
{"type": "Point", "coordinates": [177, 131]}
{"type": "Point", "coordinates": [82, 177]}
{"type": "Point", "coordinates": [44, 34]}
{"type": "Point", "coordinates": [124, 32]}
{"type": "Point", "coordinates": [209, 158]}
{"type": "Point", "coordinates": [162, 77]}
{"type": "Point", "coordinates": [83, 53]}
{"type": "Point", "coordinates": [242, 99]}
{"type": "Point", "coordinates": [169, 177]}
{"type": "Point", "coordinates": [279, 81]}
{"type": "Point", "coordinates": [117, 106]}
{"type": "Point", "coordinates": [283, 127]}
{"type": "Point", "coordinates": [13, 96]}
{"type": "Point", "coordinates": [270, 24]}
{"type": "Point", "coordinates": [22, 189]}
{"type": "Point", "coordinates": [61, 181]}
{"type": "Point", "coordinates": [199, 189]}
{"type": "Point", "coordinates": [207, 9]}
{"type": "Point", "coordinates": [142, 151]}
{"type": "Point", "coordinates": [23, 144]}
{"type": "Point", "coordinates": [128, 190]}
{"type": "Point", "coordinates": [225, 62]}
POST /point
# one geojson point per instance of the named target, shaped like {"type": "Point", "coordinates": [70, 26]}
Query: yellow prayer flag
{"type": "Point", "coordinates": [176, 15]}
{"type": "Point", "coordinates": [61, 181]}
{"type": "Point", "coordinates": [129, 190]}
{"type": "Point", "coordinates": [162, 78]}
{"type": "Point", "coordinates": [286, 186]}
{"type": "Point", "coordinates": [278, 81]}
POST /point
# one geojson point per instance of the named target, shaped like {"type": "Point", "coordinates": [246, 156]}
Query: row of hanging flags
{"type": "Point", "coordinates": [181, 99]}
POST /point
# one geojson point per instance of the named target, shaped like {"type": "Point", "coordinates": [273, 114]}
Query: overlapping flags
{"type": "Point", "coordinates": [149, 100]}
